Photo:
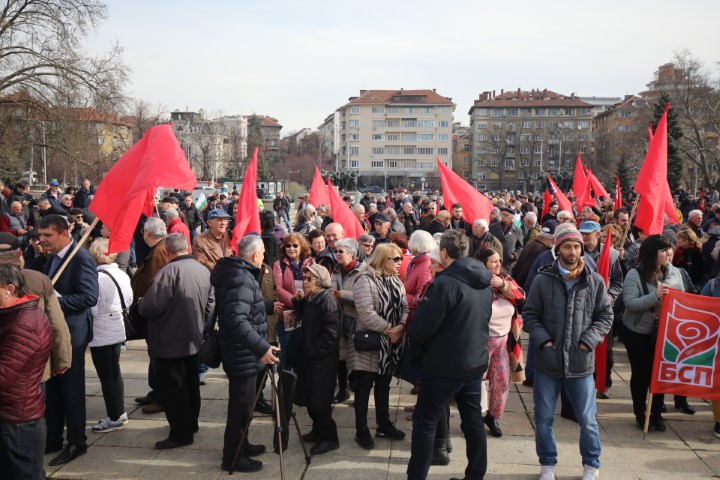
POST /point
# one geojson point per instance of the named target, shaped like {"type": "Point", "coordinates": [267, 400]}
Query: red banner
{"type": "Point", "coordinates": [686, 353]}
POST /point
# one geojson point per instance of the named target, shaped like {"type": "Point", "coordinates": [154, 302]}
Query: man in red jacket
{"type": "Point", "coordinates": [25, 341]}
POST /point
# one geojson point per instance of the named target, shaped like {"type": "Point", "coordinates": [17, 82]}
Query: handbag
{"type": "Point", "coordinates": [367, 341]}
{"type": "Point", "coordinates": [209, 352]}
{"type": "Point", "coordinates": [135, 324]}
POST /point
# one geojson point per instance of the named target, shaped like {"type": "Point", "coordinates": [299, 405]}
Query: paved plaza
{"type": "Point", "coordinates": [687, 450]}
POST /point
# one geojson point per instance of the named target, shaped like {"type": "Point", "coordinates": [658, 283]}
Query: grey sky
{"type": "Point", "coordinates": [300, 60]}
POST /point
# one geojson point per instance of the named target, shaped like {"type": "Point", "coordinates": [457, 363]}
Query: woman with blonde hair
{"type": "Point", "coordinates": [382, 309]}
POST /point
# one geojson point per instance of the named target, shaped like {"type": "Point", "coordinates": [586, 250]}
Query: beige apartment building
{"type": "Point", "coordinates": [394, 137]}
{"type": "Point", "coordinates": [518, 136]}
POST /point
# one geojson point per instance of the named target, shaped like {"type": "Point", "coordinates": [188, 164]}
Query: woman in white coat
{"type": "Point", "coordinates": [109, 334]}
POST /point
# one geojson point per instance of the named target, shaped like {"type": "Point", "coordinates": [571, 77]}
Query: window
{"type": "Point", "coordinates": [425, 109]}
{"type": "Point", "coordinates": [584, 137]}
{"type": "Point", "coordinates": [392, 123]}
{"type": "Point", "coordinates": [425, 151]}
{"type": "Point", "coordinates": [354, 110]}
{"type": "Point", "coordinates": [554, 126]}
{"type": "Point", "coordinates": [495, 163]}
{"type": "Point", "coordinates": [537, 163]}
{"type": "Point", "coordinates": [378, 123]}
{"type": "Point", "coordinates": [377, 150]}
{"type": "Point", "coordinates": [510, 139]}
{"type": "Point", "coordinates": [378, 109]}
{"type": "Point", "coordinates": [425, 137]}
{"type": "Point", "coordinates": [495, 150]}
{"type": "Point", "coordinates": [354, 163]}
{"type": "Point", "coordinates": [393, 137]}
{"type": "Point", "coordinates": [538, 149]}
{"type": "Point", "coordinates": [426, 123]}
{"type": "Point", "coordinates": [392, 164]}
{"type": "Point", "coordinates": [583, 124]}
{"type": "Point", "coordinates": [482, 125]}
{"type": "Point", "coordinates": [444, 124]}
{"type": "Point", "coordinates": [426, 165]}
{"type": "Point", "coordinates": [377, 137]}
{"type": "Point", "coordinates": [409, 164]}
{"type": "Point", "coordinates": [525, 137]}
{"type": "Point", "coordinates": [482, 111]}
{"type": "Point", "coordinates": [482, 150]}
{"type": "Point", "coordinates": [497, 125]}
{"type": "Point", "coordinates": [466, 161]}
{"type": "Point", "coordinates": [408, 150]}
{"type": "Point", "coordinates": [354, 137]}
{"type": "Point", "coordinates": [482, 137]}
{"type": "Point", "coordinates": [526, 124]}
{"type": "Point", "coordinates": [510, 127]}
{"type": "Point", "coordinates": [584, 111]}
{"type": "Point", "coordinates": [569, 124]}
{"type": "Point", "coordinates": [568, 137]}
{"type": "Point", "coordinates": [496, 137]}
{"type": "Point", "coordinates": [354, 150]}
{"type": "Point", "coordinates": [497, 112]}
{"type": "Point", "coordinates": [568, 111]}
{"type": "Point", "coordinates": [525, 150]}
{"type": "Point", "coordinates": [409, 122]}
{"type": "Point", "coordinates": [377, 164]}
{"type": "Point", "coordinates": [466, 173]}
{"type": "Point", "coordinates": [354, 123]}
{"type": "Point", "coordinates": [539, 124]}
{"type": "Point", "coordinates": [393, 110]}
{"type": "Point", "coordinates": [510, 150]}
{"type": "Point", "coordinates": [540, 112]}
{"type": "Point", "coordinates": [524, 163]}
{"type": "Point", "coordinates": [539, 138]}
{"type": "Point", "coordinates": [443, 110]}
{"type": "Point", "coordinates": [443, 137]}
{"type": "Point", "coordinates": [623, 128]}
{"type": "Point", "coordinates": [509, 164]}
{"type": "Point", "coordinates": [392, 150]}
{"type": "Point", "coordinates": [408, 110]}
{"type": "Point", "coordinates": [442, 151]}
{"type": "Point", "coordinates": [511, 112]}
{"type": "Point", "coordinates": [526, 112]}
{"type": "Point", "coordinates": [409, 137]}
{"type": "Point", "coordinates": [481, 176]}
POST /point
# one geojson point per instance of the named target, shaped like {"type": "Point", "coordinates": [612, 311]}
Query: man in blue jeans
{"type": "Point", "coordinates": [449, 336]}
{"type": "Point", "coordinates": [567, 314]}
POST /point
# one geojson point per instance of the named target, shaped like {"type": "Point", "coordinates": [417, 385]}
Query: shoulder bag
{"type": "Point", "coordinates": [135, 325]}
{"type": "Point", "coordinates": [209, 352]}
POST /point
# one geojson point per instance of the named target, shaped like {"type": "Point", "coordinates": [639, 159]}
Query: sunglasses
{"type": "Point", "coordinates": [308, 278]}
{"type": "Point", "coordinates": [341, 252]}
{"type": "Point", "coordinates": [395, 259]}
{"type": "Point", "coordinates": [292, 245]}
{"type": "Point", "coordinates": [367, 244]}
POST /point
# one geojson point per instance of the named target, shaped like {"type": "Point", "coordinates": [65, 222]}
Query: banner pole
{"type": "Point", "coordinates": [647, 414]}
{"type": "Point", "coordinates": [75, 250]}
{"type": "Point", "coordinates": [626, 231]}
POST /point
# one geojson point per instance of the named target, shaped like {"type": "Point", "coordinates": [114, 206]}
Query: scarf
{"type": "Point", "coordinates": [348, 268]}
{"type": "Point", "coordinates": [296, 266]}
{"type": "Point", "coordinates": [577, 271]}
{"type": "Point", "coordinates": [390, 293]}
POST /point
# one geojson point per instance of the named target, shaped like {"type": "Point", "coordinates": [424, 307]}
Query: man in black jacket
{"type": "Point", "coordinates": [509, 235]}
{"type": "Point", "coordinates": [244, 350]}
{"type": "Point", "coordinates": [450, 329]}
{"type": "Point", "coordinates": [194, 218]}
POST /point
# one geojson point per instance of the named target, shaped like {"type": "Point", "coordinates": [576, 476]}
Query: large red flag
{"type": "Point", "coordinates": [669, 206]}
{"type": "Point", "coordinates": [603, 266]}
{"type": "Point", "coordinates": [128, 189]}
{"type": "Point", "coordinates": [618, 194]}
{"type": "Point", "coordinates": [248, 216]}
{"type": "Point", "coordinates": [547, 200]}
{"type": "Point", "coordinates": [562, 200]}
{"type": "Point", "coordinates": [686, 353]}
{"type": "Point", "coordinates": [579, 180]}
{"type": "Point", "coordinates": [456, 190]}
{"type": "Point", "coordinates": [318, 190]}
{"type": "Point", "coordinates": [652, 181]}
{"type": "Point", "coordinates": [597, 187]}
{"type": "Point", "coordinates": [342, 214]}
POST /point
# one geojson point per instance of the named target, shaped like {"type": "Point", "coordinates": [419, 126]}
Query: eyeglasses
{"type": "Point", "coordinates": [395, 259]}
{"type": "Point", "coordinates": [308, 278]}
{"type": "Point", "coordinates": [367, 244]}
{"type": "Point", "coordinates": [292, 245]}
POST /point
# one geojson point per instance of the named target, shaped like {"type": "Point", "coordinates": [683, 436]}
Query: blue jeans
{"type": "Point", "coordinates": [581, 392]}
{"type": "Point", "coordinates": [18, 456]}
{"type": "Point", "coordinates": [530, 359]}
{"type": "Point", "coordinates": [283, 216]}
{"type": "Point", "coordinates": [433, 397]}
{"type": "Point", "coordinates": [283, 338]}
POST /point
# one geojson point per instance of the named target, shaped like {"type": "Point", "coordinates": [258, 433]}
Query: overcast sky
{"type": "Point", "coordinates": [299, 60]}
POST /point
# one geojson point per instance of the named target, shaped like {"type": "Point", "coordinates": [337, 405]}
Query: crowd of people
{"type": "Point", "coordinates": [423, 295]}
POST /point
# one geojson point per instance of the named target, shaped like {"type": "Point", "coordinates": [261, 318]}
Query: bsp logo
{"type": "Point", "coordinates": [689, 346]}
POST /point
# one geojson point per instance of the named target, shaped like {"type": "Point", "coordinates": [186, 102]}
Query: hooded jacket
{"type": "Point", "coordinates": [450, 325]}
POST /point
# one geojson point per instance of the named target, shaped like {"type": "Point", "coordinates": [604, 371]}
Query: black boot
{"type": "Point", "coordinates": [492, 424]}
{"type": "Point", "coordinates": [440, 453]}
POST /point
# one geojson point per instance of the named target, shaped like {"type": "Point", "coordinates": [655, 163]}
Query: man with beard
{"type": "Point", "coordinates": [567, 314]}
{"type": "Point", "coordinates": [457, 222]}
{"type": "Point", "coordinates": [509, 235]}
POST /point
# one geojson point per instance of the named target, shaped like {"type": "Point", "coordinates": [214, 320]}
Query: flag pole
{"type": "Point", "coordinates": [647, 414]}
{"type": "Point", "coordinates": [75, 250]}
{"type": "Point", "coordinates": [630, 219]}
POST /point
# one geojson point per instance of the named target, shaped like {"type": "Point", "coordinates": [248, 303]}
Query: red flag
{"type": "Point", "coordinates": [652, 181]}
{"type": "Point", "coordinates": [562, 200]}
{"type": "Point", "coordinates": [618, 194]}
{"type": "Point", "coordinates": [318, 190]}
{"type": "Point", "coordinates": [603, 266]}
{"type": "Point", "coordinates": [342, 214]}
{"type": "Point", "coordinates": [128, 189]}
{"type": "Point", "coordinates": [580, 181]}
{"type": "Point", "coordinates": [248, 216]}
{"type": "Point", "coordinates": [650, 132]}
{"type": "Point", "coordinates": [686, 353]}
{"type": "Point", "coordinates": [456, 190]}
{"type": "Point", "coordinates": [597, 187]}
{"type": "Point", "coordinates": [547, 199]}
{"type": "Point", "coordinates": [669, 206]}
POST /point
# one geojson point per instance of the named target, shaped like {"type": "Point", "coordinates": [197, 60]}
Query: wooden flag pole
{"type": "Point", "coordinates": [630, 219]}
{"type": "Point", "coordinates": [75, 250]}
{"type": "Point", "coordinates": [647, 414]}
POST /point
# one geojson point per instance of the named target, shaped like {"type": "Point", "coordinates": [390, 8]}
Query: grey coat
{"type": "Point", "coordinates": [640, 309]}
{"type": "Point", "coordinates": [567, 319]}
{"type": "Point", "coordinates": [347, 304]}
{"type": "Point", "coordinates": [367, 304]}
{"type": "Point", "coordinates": [176, 305]}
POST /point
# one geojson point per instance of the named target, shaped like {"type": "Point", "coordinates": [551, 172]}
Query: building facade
{"type": "Point", "coordinates": [520, 136]}
{"type": "Point", "coordinates": [461, 150]}
{"type": "Point", "coordinates": [395, 135]}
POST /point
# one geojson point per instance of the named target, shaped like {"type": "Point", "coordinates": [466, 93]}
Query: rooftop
{"type": "Point", "coordinates": [402, 96]}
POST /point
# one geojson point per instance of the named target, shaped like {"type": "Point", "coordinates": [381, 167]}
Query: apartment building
{"type": "Point", "coordinates": [518, 136]}
{"type": "Point", "coordinates": [396, 134]}
{"type": "Point", "coordinates": [461, 150]}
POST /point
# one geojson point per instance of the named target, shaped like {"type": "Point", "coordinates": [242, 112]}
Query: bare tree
{"type": "Point", "coordinates": [144, 115]}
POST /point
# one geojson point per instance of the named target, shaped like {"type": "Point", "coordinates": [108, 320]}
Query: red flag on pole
{"type": "Point", "coordinates": [686, 353]}
{"type": "Point", "coordinates": [456, 190]}
{"type": "Point", "coordinates": [342, 214]}
{"type": "Point", "coordinates": [128, 189]}
{"type": "Point", "coordinates": [651, 183]}
{"type": "Point", "coordinates": [618, 194]}
{"type": "Point", "coordinates": [318, 190]}
{"type": "Point", "coordinates": [547, 199]}
{"type": "Point", "coordinates": [248, 216]}
{"type": "Point", "coordinates": [597, 187]}
{"type": "Point", "coordinates": [562, 200]}
{"type": "Point", "coordinates": [603, 266]}
{"type": "Point", "coordinates": [579, 182]}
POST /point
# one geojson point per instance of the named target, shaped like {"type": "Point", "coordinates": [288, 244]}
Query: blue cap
{"type": "Point", "coordinates": [217, 213]}
{"type": "Point", "coordinates": [54, 183]}
{"type": "Point", "coordinates": [589, 226]}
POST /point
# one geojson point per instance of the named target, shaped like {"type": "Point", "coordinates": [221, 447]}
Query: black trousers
{"type": "Point", "coordinates": [240, 408]}
{"type": "Point", "coordinates": [364, 383]}
{"type": "Point", "coordinates": [18, 456]}
{"type": "Point", "coordinates": [41, 438]}
{"type": "Point", "coordinates": [323, 424]}
{"type": "Point", "coordinates": [65, 403]}
{"type": "Point", "coordinates": [641, 351]}
{"type": "Point", "coordinates": [180, 390]}
{"type": "Point", "coordinates": [107, 365]}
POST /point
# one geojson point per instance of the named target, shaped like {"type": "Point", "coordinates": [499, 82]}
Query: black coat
{"type": "Point", "coordinates": [318, 351]}
{"type": "Point", "coordinates": [242, 316]}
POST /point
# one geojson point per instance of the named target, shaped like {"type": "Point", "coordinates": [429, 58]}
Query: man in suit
{"type": "Point", "coordinates": [77, 289]}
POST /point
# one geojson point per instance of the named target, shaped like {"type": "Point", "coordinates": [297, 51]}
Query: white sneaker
{"type": "Point", "coordinates": [547, 472]}
{"type": "Point", "coordinates": [123, 417]}
{"type": "Point", "coordinates": [107, 425]}
{"type": "Point", "coordinates": [590, 473]}
{"type": "Point", "coordinates": [203, 378]}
